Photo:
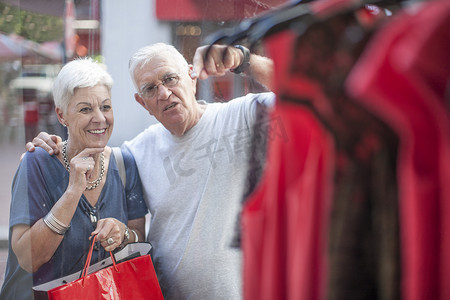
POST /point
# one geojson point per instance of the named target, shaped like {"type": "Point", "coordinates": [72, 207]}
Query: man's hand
{"type": "Point", "coordinates": [46, 141]}
{"type": "Point", "coordinates": [220, 59]}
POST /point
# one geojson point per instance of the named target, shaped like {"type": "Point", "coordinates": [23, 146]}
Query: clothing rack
{"type": "Point", "coordinates": [352, 203]}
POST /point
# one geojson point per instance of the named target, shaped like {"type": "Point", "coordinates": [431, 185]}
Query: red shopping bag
{"type": "Point", "coordinates": [131, 279]}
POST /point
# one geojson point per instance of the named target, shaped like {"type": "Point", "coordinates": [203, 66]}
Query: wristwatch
{"type": "Point", "coordinates": [245, 63]}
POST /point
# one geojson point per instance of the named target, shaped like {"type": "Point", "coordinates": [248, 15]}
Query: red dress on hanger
{"type": "Point", "coordinates": [404, 77]}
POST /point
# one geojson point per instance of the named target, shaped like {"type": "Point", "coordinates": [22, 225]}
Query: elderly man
{"type": "Point", "coordinates": [192, 165]}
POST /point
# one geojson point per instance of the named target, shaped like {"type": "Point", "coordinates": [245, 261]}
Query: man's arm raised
{"type": "Point", "coordinates": [222, 58]}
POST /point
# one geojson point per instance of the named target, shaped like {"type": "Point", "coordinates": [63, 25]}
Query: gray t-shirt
{"type": "Point", "coordinates": [193, 186]}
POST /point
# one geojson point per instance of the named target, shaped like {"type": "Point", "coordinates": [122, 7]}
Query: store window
{"type": "Point", "coordinates": [38, 37]}
{"type": "Point", "coordinates": [357, 145]}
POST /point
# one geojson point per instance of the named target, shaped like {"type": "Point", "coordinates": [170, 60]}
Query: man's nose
{"type": "Point", "coordinates": [163, 92]}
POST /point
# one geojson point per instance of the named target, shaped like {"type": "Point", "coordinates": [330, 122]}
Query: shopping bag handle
{"type": "Point", "coordinates": [89, 256]}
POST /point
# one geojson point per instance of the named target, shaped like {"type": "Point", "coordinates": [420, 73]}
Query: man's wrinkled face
{"type": "Point", "coordinates": [167, 92]}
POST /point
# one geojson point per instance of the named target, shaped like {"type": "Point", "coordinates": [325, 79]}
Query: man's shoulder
{"type": "Point", "coordinates": [248, 101]}
{"type": "Point", "coordinates": [146, 136]}
{"type": "Point", "coordinates": [260, 97]}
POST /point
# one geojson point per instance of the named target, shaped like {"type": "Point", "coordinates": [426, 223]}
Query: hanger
{"type": "Point", "coordinates": [231, 35]}
{"type": "Point", "coordinates": [295, 15]}
{"type": "Point", "coordinates": [245, 29]}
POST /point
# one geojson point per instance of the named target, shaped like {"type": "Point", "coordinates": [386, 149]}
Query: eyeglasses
{"type": "Point", "coordinates": [150, 91]}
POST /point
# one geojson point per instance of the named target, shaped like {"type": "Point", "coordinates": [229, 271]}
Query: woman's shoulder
{"type": "Point", "coordinates": [39, 161]}
{"type": "Point", "coordinates": [128, 157]}
{"type": "Point", "coordinates": [38, 154]}
{"type": "Point", "coordinates": [123, 154]}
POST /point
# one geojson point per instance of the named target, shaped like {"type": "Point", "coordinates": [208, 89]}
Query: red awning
{"type": "Point", "coordinates": [213, 10]}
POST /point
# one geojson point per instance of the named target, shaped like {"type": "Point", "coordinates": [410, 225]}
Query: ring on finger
{"type": "Point", "coordinates": [110, 241]}
{"type": "Point", "coordinates": [85, 158]}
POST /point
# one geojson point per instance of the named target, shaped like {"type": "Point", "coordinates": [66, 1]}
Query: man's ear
{"type": "Point", "coordinates": [194, 81]}
{"type": "Point", "coordinates": [142, 103]}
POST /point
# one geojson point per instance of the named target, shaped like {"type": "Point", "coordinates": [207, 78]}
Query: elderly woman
{"type": "Point", "coordinates": [59, 202]}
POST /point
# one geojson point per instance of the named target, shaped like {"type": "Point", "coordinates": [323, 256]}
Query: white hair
{"type": "Point", "coordinates": [144, 55]}
{"type": "Point", "coordinates": [79, 73]}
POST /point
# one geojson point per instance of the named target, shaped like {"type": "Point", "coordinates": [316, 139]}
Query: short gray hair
{"type": "Point", "coordinates": [79, 73]}
{"type": "Point", "coordinates": [144, 55]}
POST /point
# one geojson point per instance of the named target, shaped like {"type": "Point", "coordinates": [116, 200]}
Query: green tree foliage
{"type": "Point", "coordinates": [36, 27]}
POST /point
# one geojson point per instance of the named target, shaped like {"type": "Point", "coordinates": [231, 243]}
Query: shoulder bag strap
{"type": "Point", "coordinates": [120, 164]}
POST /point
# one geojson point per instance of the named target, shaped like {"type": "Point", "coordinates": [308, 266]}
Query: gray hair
{"type": "Point", "coordinates": [144, 55]}
{"type": "Point", "coordinates": [79, 73]}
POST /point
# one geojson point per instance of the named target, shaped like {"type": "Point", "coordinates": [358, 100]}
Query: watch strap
{"type": "Point", "coordinates": [245, 63]}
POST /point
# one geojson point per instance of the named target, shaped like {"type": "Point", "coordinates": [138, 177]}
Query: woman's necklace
{"type": "Point", "coordinates": [92, 184]}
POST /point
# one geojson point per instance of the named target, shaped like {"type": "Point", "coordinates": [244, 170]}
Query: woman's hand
{"type": "Point", "coordinates": [81, 167]}
{"type": "Point", "coordinates": [110, 232]}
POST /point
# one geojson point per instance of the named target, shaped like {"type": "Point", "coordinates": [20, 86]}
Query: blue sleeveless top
{"type": "Point", "coordinates": [39, 182]}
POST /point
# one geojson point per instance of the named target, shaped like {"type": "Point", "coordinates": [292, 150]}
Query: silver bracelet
{"type": "Point", "coordinates": [136, 237]}
{"type": "Point", "coordinates": [54, 224]}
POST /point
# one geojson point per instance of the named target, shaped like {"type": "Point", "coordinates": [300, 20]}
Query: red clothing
{"type": "Point", "coordinates": [404, 78]}
{"type": "Point", "coordinates": [283, 240]}
{"type": "Point", "coordinates": [325, 167]}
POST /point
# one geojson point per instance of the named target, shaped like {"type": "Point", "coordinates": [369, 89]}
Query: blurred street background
{"type": "Point", "coordinates": [38, 36]}
{"type": "Point", "coordinates": [10, 153]}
